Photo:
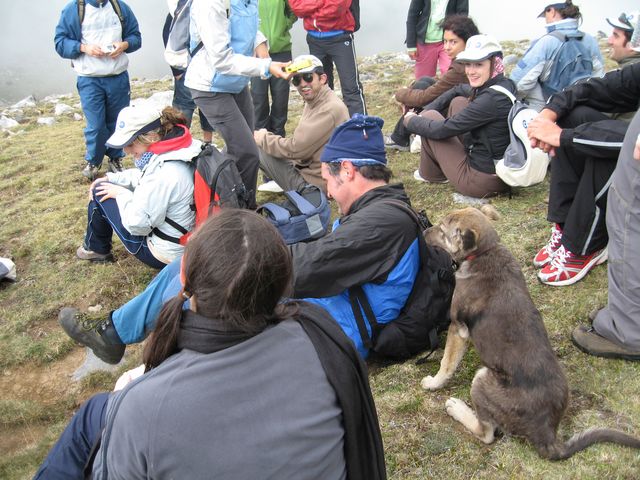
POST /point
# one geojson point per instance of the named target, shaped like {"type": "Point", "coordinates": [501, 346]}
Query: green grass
{"type": "Point", "coordinates": [43, 205]}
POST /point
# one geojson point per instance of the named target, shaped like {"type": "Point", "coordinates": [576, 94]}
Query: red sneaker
{"type": "Point", "coordinates": [566, 268]}
{"type": "Point", "coordinates": [546, 253]}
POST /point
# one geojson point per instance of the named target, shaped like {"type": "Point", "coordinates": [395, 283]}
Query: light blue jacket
{"type": "Point", "coordinates": [535, 65]}
{"type": "Point", "coordinates": [226, 60]}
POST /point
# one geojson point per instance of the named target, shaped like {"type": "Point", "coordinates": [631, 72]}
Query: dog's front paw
{"type": "Point", "coordinates": [457, 409]}
{"type": "Point", "coordinates": [432, 383]}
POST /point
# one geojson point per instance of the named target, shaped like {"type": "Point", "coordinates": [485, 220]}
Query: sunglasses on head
{"type": "Point", "coordinates": [626, 20]}
{"type": "Point", "coordinates": [307, 77]}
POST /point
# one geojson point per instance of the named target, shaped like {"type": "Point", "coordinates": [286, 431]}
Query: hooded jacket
{"type": "Point", "coordinates": [226, 60]}
{"type": "Point", "coordinates": [372, 246]}
{"type": "Point", "coordinates": [319, 118]}
{"type": "Point", "coordinates": [324, 16]}
{"type": "Point", "coordinates": [162, 189]}
{"type": "Point", "coordinates": [276, 20]}
{"type": "Point", "coordinates": [101, 26]}
{"type": "Point", "coordinates": [483, 123]}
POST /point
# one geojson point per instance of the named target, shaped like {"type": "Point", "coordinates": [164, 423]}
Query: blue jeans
{"type": "Point", "coordinates": [182, 101]}
{"type": "Point", "coordinates": [67, 458]}
{"type": "Point", "coordinates": [136, 318]}
{"type": "Point", "coordinates": [102, 98]}
{"type": "Point", "coordinates": [103, 219]}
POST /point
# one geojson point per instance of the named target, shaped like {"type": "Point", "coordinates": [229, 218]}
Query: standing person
{"type": "Point", "coordinates": [457, 30]}
{"type": "Point", "coordinates": [181, 95]}
{"type": "Point", "coordinates": [477, 114]}
{"type": "Point", "coordinates": [330, 25]}
{"type": "Point", "coordinates": [143, 205]}
{"type": "Point", "coordinates": [276, 20]}
{"type": "Point", "coordinates": [533, 70]}
{"type": "Point", "coordinates": [218, 76]}
{"type": "Point", "coordinates": [239, 385]}
{"type": "Point", "coordinates": [294, 161]}
{"type": "Point", "coordinates": [424, 33]}
{"type": "Point", "coordinates": [97, 35]}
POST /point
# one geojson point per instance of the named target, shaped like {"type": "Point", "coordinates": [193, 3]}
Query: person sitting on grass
{"type": "Point", "coordinates": [238, 385]}
{"type": "Point", "coordinates": [143, 205]}
{"type": "Point", "coordinates": [462, 147]}
{"type": "Point", "coordinates": [457, 30]}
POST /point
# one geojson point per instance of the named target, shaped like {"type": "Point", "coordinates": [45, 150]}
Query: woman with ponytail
{"type": "Point", "coordinates": [149, 206]}
{"type": "Point", "coordinates": [237, 385]}
{"type": "Point", "coordinates": [462, 147]}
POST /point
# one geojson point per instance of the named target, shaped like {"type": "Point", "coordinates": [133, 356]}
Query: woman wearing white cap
{"type": "Point", "coordinates": [144, 205]}
{"type": "Point", "coordinates": [463, 147]}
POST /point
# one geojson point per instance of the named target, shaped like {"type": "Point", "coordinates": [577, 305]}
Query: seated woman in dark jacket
{"type": "Point", "coordinates": [463, 147]}
{"type": "Point", "coordinates": [239, 385]}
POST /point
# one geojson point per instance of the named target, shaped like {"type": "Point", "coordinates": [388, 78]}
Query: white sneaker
{"type": "Point", "coordinates": [271, 186]}
{"type": "Point", "coordinates": [416, 144]}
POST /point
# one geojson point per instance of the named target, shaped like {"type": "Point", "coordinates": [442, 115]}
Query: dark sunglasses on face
{"type": "Point", "coordinates": [307, 77]}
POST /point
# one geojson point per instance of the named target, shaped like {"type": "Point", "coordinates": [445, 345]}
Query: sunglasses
{"type": "Point", "coordinates": [297, 78]}
{"type": "Point", "coordinates": [626, 20]}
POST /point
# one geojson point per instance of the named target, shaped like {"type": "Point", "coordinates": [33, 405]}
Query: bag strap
{"type": "Point", "coordinates": [501, 89]}
{"type": "Point", "coordinates": [279, 214]}
{"type": "Point", "coordinates": [301, 203]}
{"type": "Point", "coordinates": [159, 233]}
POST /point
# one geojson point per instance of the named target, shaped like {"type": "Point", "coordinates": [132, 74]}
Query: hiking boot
{"type": "Point", "coordinates": [270, 186]}
{"type": "Point", "coordinates": [544, 256]}
{"type": "Point", "coordinates": [419, 178]}
{"type": "Point", "coordinates": [566, 268]}
{"type": "Point", "coordinates": [115, 165]}
{"type": "Point", "coordinates": [84, 254]}
{"type": "Point", "coordinates": [95, 332]}
{"type": "Point", "coordinates": [391, 145]}
{"type": "Point", "coordinates": [90, 171]}
{"type": "Point", "coordinates": [589, 341]}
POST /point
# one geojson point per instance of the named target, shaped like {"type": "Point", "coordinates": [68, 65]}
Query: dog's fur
{"type": "Point", "coordinates": [521, 388]}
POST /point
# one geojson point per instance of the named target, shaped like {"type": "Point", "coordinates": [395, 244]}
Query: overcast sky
{"type": "Point", "coordinates": [31, 66]}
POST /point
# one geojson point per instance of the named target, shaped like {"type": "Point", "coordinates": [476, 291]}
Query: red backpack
{"type": "Point", "coordinates": [216, 184]}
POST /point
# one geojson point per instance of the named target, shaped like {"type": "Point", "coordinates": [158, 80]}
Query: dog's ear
{"type": "Point", "coordinates": [489, 211]}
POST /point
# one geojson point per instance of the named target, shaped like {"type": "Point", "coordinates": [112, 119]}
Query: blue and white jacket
{"type": "Point", "coordinates": [101, 26]}
{"type": "Point", "coordinates": [535, 65]}
{"type": "Point", "coordinates": [229, 37]}
{"type": "Point", "coordinates": [374, 246]}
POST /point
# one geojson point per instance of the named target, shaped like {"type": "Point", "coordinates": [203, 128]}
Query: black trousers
{"type": "Point", "coordinates": [580, 179]}
{"type": "Point", "coordinates": [401, 136]}
{"type": "Point", "coordinates": [272, 117]}
{"type": "Point", "coordinates": [341, 50]}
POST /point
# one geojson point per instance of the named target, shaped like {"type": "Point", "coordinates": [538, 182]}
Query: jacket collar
{"type": "Point", "coordinates": [394, 191]}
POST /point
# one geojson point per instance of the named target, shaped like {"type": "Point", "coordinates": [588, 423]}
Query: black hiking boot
{"type": "Point", "coordinates": [115, 165]}
{"type": "Point", "coordinates": [95, 332]}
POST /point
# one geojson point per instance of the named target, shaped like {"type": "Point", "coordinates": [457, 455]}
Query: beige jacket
{"type": "Point", "coordinates": [319, 118]}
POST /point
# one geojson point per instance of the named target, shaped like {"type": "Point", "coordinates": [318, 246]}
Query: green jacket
{"type": "Point", "coordinates": [276, 20]}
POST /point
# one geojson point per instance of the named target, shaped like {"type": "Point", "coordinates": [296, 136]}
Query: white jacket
{"type": "Point", "coordinates": [162, 189]}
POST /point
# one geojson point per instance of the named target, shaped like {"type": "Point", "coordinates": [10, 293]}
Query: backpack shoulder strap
{"type": "Point", "coordinates": [280, 214]}
{"type": "Point", "coordinates": [116, 8]}
{"type": "Point", "coordinates": [301, 203]}
{"type": "Point", "coordinates": [559, 35]}
{"type": "Point", "coordinates": [501, 89]}
{"type": "Point", "coordinates": [81, 6]}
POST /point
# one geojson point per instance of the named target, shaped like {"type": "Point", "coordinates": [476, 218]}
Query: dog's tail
{"type": "Point", "coordinates": [563, 450]}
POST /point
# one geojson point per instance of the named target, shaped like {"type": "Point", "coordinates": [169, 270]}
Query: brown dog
{"type": "Point", "coordinates": [521, 388]}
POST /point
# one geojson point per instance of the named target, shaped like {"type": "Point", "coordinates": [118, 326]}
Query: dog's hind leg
{"type": "Point", "coordinates": [463, 413]}
{"type": "Point", "coordinates": [457, 339]}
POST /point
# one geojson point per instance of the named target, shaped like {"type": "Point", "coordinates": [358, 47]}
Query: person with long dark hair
{"type": "Point", "coordinates": [239, 385]}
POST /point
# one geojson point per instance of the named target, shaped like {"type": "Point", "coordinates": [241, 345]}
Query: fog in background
{"type": "Point", "coordinates": [30, 65]}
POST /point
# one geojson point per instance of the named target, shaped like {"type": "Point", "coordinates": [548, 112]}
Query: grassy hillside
{"type": "Point", "coordinates": [43, 205]}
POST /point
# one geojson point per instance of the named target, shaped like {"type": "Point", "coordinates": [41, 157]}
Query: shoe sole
{"type": "Point", "coordinates": [597, 260]}
{"type": "Point", "coordinates": [614, 355]}
{"type": "Point", "coordinates": [107, 259]}
{"type": "Point", "coordinates": [397, 148]}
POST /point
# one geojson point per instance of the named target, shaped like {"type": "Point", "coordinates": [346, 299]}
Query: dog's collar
{"type": "Point", "coordinates": [473, 256]}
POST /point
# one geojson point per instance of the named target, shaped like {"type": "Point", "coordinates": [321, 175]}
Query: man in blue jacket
{"type": "Point", "coordinates": [373, 246]}
{"type": "Point", "coordinates": [96, 35]}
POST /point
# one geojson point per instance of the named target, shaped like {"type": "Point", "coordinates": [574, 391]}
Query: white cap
{"type": "Point", "coordinates": [133, 121]}
{"type": "Point", "coordinates": [479, 47]}
{"type": "Point", "coordinates": [625, 21]}
{"type": "Point", "coordinates": [315, 63]}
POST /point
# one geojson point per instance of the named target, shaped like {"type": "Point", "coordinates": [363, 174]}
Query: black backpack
{"type": "Point", "coordinates": [427, 310]}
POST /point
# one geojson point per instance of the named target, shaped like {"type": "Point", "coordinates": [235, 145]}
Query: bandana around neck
{"type": "Point", "coordinates": [143, 160]}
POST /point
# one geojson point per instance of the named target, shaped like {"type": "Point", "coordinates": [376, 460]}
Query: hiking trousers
{"type": "Point", "coordinates": [273, 117]}
{"type": "Point", "coordinates": [580, 179]}
{"type": "Point", "coordinates": [429, 55]}
{"type": "Point", "coordinates": [182, 101]}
